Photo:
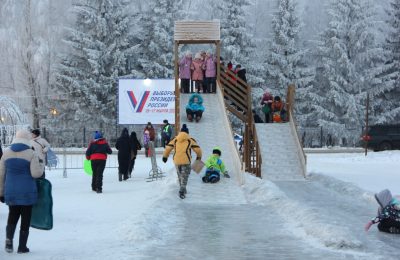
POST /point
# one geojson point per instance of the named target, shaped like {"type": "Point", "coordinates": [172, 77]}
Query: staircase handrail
{"type": "Point", "coordinates": [293, 128]}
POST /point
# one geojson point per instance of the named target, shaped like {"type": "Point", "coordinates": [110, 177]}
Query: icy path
{"type": "Point", "coordinates": [226, 221]}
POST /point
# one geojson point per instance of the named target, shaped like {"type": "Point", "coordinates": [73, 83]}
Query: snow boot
{"type": "Point", "coordinates": [190, 118]}
{"type": "Point", "coordinates": [10, 230]}
{"type": "Point", "coordinates": [181, 194]}
{"type": "Point", "coordinates": [120, 176]}
{"type": "Point", "coordinates": [23, 238]}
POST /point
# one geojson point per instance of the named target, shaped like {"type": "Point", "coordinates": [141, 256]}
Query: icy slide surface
{"type": "Point", "coordinates": [260, 219]}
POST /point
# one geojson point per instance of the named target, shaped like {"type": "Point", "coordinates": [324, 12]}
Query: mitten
{"type": "Point", "coordinates": [164, 159]}
{"type": "Point", "coordinates": [2, 199]}
{"type": "Point", "coordinates": [368, 225]}
{"type": "Point", "coordinates": [219, 162]}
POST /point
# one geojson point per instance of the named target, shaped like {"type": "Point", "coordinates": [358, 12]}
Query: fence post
{"type": "Point", "coordinates": [84, 137]}
{"type": "Point", "coordinates": [64, 161]}
{"type": "Point", "coordinates": [320, 138]}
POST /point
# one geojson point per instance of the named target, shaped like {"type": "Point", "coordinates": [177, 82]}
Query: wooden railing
{"type": "Point", "coordinates": [237, 96]}
{"type": "Point", "coordinates": [293, 127]}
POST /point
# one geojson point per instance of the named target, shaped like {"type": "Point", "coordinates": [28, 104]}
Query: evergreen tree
{"type": "Point", "coordinates": [238, 45]}
{"type": "Point", "coordinates": [348, 59]}
{"type": "Point", "coordinates": [386, 103]}
{"type": "Point", "coordinates": [285, 64]}
{"type": "Point", "coordinates": [99, 48]}
{"type": "Point", "coordinates": [157, 41]}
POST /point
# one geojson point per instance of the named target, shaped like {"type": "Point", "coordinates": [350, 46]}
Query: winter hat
{"type": "Point", "coordinates": [184, 128]}
{"type": "Point", "coordinates": [97, 135]}
{"type": "Point", "coordinates": [217, 150]}
{"type": "Point", "coordinates": [165, 121]}
{"type": "Point", "coordinates": [36, 132]}
{"type": "Point", "coordinates": [23, 134]}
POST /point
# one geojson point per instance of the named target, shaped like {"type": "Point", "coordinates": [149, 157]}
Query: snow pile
{"type": "Point", "coordinates": [302, 220]}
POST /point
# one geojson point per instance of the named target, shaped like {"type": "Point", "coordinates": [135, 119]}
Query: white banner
{"type": "Point", "coordinates": [144, 100]}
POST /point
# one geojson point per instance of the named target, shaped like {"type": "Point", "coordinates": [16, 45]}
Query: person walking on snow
{"type": "Point", "coordinates": [124, 148]}
{"type": "Point", "coordinates": [135, 147]}
{"type": "Point", "coordinates": [388, 217]}
{"type": "Point", "coordinates": [183, 143]}
{"type": "Point", "coordinates": [166, 133]}
{"type": "Point", "coordinates": [41, 146]}
{"type": "Point", "coordinates": [215, 167]}
{"type": "Point", "coordinates": [19, 167]}
{"type": "Point", "coordinates": [149, 134]}
{"type": "Point", "coordinates": [97, 154]}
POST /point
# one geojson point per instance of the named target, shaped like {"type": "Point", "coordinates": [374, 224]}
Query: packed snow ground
{"type": "Point", "coordinates": [321, 218]}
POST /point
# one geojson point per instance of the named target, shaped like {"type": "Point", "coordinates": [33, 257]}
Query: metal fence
{"type": "Point", "coordinates": [73, 159]}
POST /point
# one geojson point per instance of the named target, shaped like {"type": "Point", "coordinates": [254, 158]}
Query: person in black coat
{"type": "Point", "coordinates": [135, 144]}
{"type": "Point", "coordinates": [241, 73]}
{"type": "Point", "coordinates": [1, 151]}
{"type": "Point", "coordinates": [124, 148]}
{"type": "Point", "coordinates": [257, 118]}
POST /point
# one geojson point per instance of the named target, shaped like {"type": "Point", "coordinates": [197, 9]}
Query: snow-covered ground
{"type": "Point", "coordinates": [320, 218]}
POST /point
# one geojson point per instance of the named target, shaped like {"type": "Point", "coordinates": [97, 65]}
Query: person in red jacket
{"type": "Point", "coordinates": [97, 154]}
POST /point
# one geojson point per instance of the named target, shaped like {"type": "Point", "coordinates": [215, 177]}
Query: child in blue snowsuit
{"type": "Point", "coordinates": [215, 166]}
{"type": "Point", "coordinates": [195, 108]}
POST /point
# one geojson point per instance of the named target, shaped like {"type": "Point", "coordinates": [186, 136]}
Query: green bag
{"type": "Point", "coordinates": [266, 109]}
{"type": "Point", "coordinates": [42, 211]}
{"type": "Point", "coordinates": [87, 167]}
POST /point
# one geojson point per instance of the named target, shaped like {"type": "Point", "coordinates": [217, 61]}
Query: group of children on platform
{"type": "Point", "coordinates": [201, 70]}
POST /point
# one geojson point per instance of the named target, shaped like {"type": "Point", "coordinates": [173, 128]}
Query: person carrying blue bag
{"type": "Point", "coordinates": [215, 167]}
{"type": "Point", "coordinates": [195, 108]}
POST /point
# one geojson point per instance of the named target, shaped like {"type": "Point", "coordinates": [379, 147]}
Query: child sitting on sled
{"type": "Point", "coordinates": [215, 167]}
{"type": "Point", "coordinates": [388, 215]}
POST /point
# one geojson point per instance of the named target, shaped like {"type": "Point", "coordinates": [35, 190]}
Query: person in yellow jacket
{"type": "Point", "coordinates": [215, 167]}
{"type": "Point", "coordinates": [183, 143]}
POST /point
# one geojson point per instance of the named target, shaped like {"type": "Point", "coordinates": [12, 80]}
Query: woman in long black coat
{"type": "Point", "coordinates": [124, 148]}
{"type": "Point", "coordinates": [135, 147]}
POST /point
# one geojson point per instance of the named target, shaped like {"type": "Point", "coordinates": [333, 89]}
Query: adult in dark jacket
{"type": "Point", "coordinates": [135, 147]}
{"type": "Point", "coordinates": [97, 154]}
{"type": "Point", "coordinates": [19, 167]}
{"type": "Point", "coordinates": [241, 73]}
{"type": "Point", "coordinates": [124, 148]}
{"type": "Point", "coordinates": [1, 151]}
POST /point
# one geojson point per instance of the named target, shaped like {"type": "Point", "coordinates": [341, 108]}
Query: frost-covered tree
{"type": "Point", "coordinates": [386, 103]}
{"type": "Point", "coordinates": [348, 59]}
{"type": "Point", "coordinates": [99, 49]}
{"type": "Point", "coordinates": [238, 45]}
{"type": "Point", "coordinates": [157, 38]}
{"type": "Point", "coordinates": [284, 63]}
